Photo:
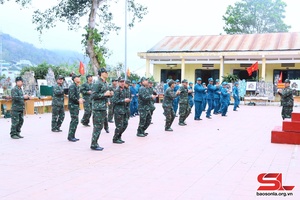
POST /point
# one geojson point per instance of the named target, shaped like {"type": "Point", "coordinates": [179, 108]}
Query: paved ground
{"type": "Point", "coordinates": [209, 159]}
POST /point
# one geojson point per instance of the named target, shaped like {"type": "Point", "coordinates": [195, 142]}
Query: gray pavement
{"type": "Point", "coordinates": [217, 158]}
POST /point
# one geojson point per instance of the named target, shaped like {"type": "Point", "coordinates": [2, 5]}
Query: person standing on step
{"type": "Point", "coordinates": [100, 93]}
{"type": "Point", "coordinates": [145, 98]}
{"type": "Point", "coordinates": [287, 100]}
{"type": "Point", "coordinates": [58, 111]}
{"type": "Point", "coordinates": [167, 105]}
{"type": "Point", "coordinates": [86, 91]}
{"type": "Point", "coordinates": [17, 109]}
{"type": "Point", "coordinates": [113, 87]}
{"type": "Point", "coordinates": [73, 105]}
{"type": "Point", "coordinates": [121, 100]}
{"type": "Point", "coordinates": [184, 107]}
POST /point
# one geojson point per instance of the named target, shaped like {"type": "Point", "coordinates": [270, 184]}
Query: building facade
{"type": "Point", "coordinates": [189, 57]}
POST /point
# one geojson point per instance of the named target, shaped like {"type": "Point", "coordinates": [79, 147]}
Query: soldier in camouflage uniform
{"type": "Point", "coordinates": [287, 100]}
{"type": "Point", "coordinates": [184, 107]}
{"type": "Point", "coordinates": [169, 97]}
{"type": "Point", "coordinates": [58, 111]}
{"type": "Point", "coordinates": [121, 100]}
{"type": "Point", "coordinates": [86, 91]}
{"type": "Point", "coordinates": [73, 105]}
{"type": "Point", "coordinates": [100, 93]}
{"type": "Point", "coordinates": [152, 91]}
{"type": "Point", "coordinates": [144, 99]}
{"type": "Point", "coordinates": [113, 88]}
{"type": "Point", "coordinates": [17, 109]}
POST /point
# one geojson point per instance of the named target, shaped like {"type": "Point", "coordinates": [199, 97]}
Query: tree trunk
{"type": "Point", "coordinates": [90, 41]}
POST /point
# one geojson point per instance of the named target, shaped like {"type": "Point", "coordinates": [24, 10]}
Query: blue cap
{"type": "Point", "coordinates": [203, 83]}
{"type": "Point", "coordinates": [199, 79]}
{"type": "Point", "coordinates": [133, 82]}
{"type": "Point", "coordinates": [236, 83]}
{"type": "Point", "coordinates": [224, 83]}
{"type": "Point", "coordinates": [217, 80]}
{"type": "Point", "coordinates": [210, 79]}
{"type": "Point", "coordinates": [177, 80]}
{"type": "Point", "coordinates": [190, 83]}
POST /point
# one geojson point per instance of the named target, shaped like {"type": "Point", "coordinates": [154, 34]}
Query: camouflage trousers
{"type": "Point", "coordinates": [17, 120]}
{"type": "Point", "coordinates": [286, 111]}
{"type": "Point", "coordinates": [121, 122]}
{"type": "Point", "coordinates": [74, 112]}
{"type": "Point", "coordinates": [110, 111]}
{"type": "Point", "coordinates": [170, 116]}
{"type": "Point", "coordinates": [58, 116]}
{"type": "Point", "coordinates": [184, 111]}
{"type": "Point", "coordinates": [145, 120]}
{"type": "Point", "coordinates": [99, 118]}
{"type": "Point", "coordinates": [87, 113]}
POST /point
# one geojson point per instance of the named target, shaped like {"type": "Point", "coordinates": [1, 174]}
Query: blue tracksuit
{"type": "Point", "coordinates": [224, 100]}
{"type": "Point", "coordinates": [198, 99]}
{"type": "Point", "coordinates": [210, 98]}
{"type": "Point", "coordinates": [236, 97]}
{"type": "Point", "coordinates": [217, 99]}
{"type": "Point", "coordinates": [190, 96]}
{"type": "Point", "coordinates": [134, 100]}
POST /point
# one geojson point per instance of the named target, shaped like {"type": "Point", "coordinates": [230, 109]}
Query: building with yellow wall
{"type": "Point", "coordinates": [189, 57]}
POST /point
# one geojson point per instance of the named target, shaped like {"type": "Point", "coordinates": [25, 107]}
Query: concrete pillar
{"type": "Point", "coordinates": [221, 68]}
{"type": "Point", "coordinates": [147, 68]}
{"type": "Point", "coordinates": [182, 69]}
{"type": "Point", "coordinates": [263, 71]}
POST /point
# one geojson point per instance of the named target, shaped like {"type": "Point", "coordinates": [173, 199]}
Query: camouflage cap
{"type": "Point", "coordinates": [75, 76]}
{"type": "Point", "coordinates": [287, 81]}
{"type": "Point", "coordinates": [102, 70]}
{"type": "Point", "coordinates": [60, 77]}
{"type": "Point", "coordinates": [127, 82]}
{"type": "Point", "coordinates": [184, 81]}
{"type": "Point", "coordinates": [121, 79]}
{"type": "Point", "coordinates": [143, 79]}
{"type": "Point", "coordinates": [19, 78]}
{"type": "Point", "coordinates": [171, 82]}
{"type": "Point", "coordinates": [89, 75]}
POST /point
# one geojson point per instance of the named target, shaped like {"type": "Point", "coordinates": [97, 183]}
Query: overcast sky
{"type": "Point", "coordinates": [165, 18]}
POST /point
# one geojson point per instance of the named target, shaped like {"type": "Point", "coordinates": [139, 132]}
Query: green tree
{"type": "Point", "coordinates": [41, 70]}
{"type": "Point", "coordinates": [97, 30]}
{"type": "Point", "coordinates": [255, 16]}
{"type": "Point", "coordinates": [230, 78]}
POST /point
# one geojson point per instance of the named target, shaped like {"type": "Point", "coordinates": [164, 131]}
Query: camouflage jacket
{"type": "Point", "coordinates": [145, 98]}
{"type": "Point", "coordinates": [287, 98]}
{"type": "Point", "coordinates": [120, 106]}
{"type": "Point", "coordinates": [84, 91]}
{"type": "Point", "coordinates": [111, 88]}
{"type": "Point", "coordinates": [73, 96]}
{"type": "Point", "coordinates": [98, 99]}
{"type": "Point", "coordinates": [169, 96]}
{"type": "Point", "coordinates": [58, 95]}
{"type": "Point", "coordinates": [17, 99]}
{"type": "Point", "coordinates": [184, 95]}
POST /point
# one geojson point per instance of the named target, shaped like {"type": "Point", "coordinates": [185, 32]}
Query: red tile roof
{"type": "Point", "coordinates": [223, 43]}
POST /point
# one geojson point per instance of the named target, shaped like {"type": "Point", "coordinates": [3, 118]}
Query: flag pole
{"type": "Point", "coordinates": [125, 62]}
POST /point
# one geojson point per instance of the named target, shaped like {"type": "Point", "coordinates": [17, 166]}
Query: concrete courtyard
{"type": "Point", "coordinates": [217, 158]}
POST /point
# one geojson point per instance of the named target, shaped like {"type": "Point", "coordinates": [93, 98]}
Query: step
{"type": "Point", "coordinates": [296, 117]}
{"type": "Point", "coordinates": [288, 125]}
{"type": "Point", "coordinates": [282, 137]}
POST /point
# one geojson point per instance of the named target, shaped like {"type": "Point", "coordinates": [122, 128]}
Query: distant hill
{"type": "Point", "coordinates": [15, 50]}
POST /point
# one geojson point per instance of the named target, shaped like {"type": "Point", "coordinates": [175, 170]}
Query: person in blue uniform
{"type": "Point", "coordinates": [134, 99]}
{"type": "Point", "coordinates": [166, 85]}
{"type": "Point", "coordinates": [217, 94]}
{"type": "Point", "coordinates": [236, 97]}
{"type": "Point", "coordinates": [224, 99]}
{"type": "Point", "coordinates": [190, 95]}
{"type": "Point", "coordinates": [210, 97]}
{"type": "Point", "coordinates": [198, 98]}
{"type": "Point", "coordinates": [204, 97]}
{"type": "Point", "coordinates": [176, 100]}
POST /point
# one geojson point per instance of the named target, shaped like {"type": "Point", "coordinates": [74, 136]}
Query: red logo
{"type": "Point", "coordinates": [273, 181]}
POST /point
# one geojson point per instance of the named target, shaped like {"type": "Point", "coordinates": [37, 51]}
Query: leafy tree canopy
{"type": "Point", "coordinates": [255, 16]}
